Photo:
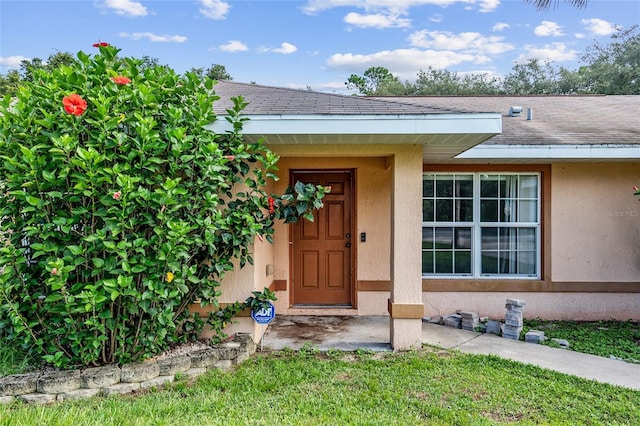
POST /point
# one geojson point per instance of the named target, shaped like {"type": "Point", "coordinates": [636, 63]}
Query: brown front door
{"type": "Point", "coordinates": [322, 249]}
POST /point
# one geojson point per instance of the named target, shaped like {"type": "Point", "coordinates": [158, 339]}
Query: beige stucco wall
{"type": "Point", "coordinates": [568, 306]}
{"type": "Point", "coordinates": [595, 230]}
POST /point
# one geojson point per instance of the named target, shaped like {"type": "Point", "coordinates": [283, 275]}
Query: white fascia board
{"type": "Point", "coordinates": [329, 124]}
{"type": "Point", "coordinates": [552, 152]}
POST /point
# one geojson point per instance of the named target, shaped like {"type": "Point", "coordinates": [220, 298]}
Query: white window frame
{"type": "Point", "coordinates": [476, 229]}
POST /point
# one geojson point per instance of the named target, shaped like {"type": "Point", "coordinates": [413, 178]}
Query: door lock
{"type": "Point", "coordinates": [348, 245]}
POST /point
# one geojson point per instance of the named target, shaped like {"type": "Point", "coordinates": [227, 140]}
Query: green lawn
{"type": "Point", "coordinates": [429, 386]}
{"type": "Point", "coordinates": [603, 338]}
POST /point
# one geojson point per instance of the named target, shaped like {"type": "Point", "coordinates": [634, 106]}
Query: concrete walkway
{"type": "Point", "coordinates": [372, 332]}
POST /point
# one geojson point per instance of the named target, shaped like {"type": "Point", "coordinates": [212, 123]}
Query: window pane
{"type": "Point", "coordinates": [463, 262]}
{"type": "Point", "coordinates": [528, 187]}
{"type": "Point", "coordinates": [508, 239]}
{"type": "Point", "coordinates": [528, 211]}
{"type": "Point", "coordinates": [489, 239]}
{"type": "Point", "coordinates": [427, 210]}
{"type": "Point", "coordinates": [489, 262]}
{"type": "Point", "coordinates": [444, 262]}
{"type": "Point", "coordinates": [444, 210]}
{"type": "Point", "coordinates": [462, 238]}
{"type": "Point", "coordinates": [508, 211]}
{"type": "Point", "coordinates": [464, 211]}
{"type": "Point", "coordinates": [507, 262]}
{"type": "Point", "coordinates": [464, 186]}
{"type": "Point", "coordinates": [489, 211]}
{"type": "Point", "coordinates": [427, 238]}
{"type": "Point", "coordinates": [489, 186]}
{"type": "Point", "coordinates": [444, 238]}
{"type": "Point", "coordinates": [526, 239]}
{"type": "Point", "coordinates": [427, 186]}
{"type": "Point", "coordinates": [444, 186]}
{"type": "Point", "coordinates": [527, 262]}
{"type": "Point", "coordinates": [508, 186]}
{"type": "Point", "coordinates": [427, 262]}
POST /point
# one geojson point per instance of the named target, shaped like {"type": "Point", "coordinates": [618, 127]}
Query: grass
{"type": "Point", "coordinates": [620, 339]}
{"type": "Point", "coordinates": [429, 386]}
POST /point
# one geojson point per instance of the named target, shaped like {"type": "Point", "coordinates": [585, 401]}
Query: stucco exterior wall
{"type": "Point", "coordinates": [551, 306]}
{"type": "Point", "coordinates": [595, 230]}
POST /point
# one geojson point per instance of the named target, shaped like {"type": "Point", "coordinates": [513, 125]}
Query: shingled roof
{"type": "Point", "coordinates": [267, 100]}
{"type": "Point", "coordinates": [556, 120]}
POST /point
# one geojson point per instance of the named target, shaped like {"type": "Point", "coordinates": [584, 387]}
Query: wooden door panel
{"type": "Point", "coordinates": [321, 270]}
{"type": "Point", "coordinates": [334, 219]}
{"type": "Point", "coordinates": [310, 270]}
{"type": "Point", "coordinates": [335, 270]}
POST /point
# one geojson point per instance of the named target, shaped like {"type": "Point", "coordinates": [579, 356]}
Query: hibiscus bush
{"type": "Point", "coordinates": [118, 208]}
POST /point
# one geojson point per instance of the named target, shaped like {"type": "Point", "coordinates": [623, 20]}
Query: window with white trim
{"type": "Point", "coordinates": [481, 225]}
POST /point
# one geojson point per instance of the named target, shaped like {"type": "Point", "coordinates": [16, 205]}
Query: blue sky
{"type": "Point", "coordinates": [314, 43]}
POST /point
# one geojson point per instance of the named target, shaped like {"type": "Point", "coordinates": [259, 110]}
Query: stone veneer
{"type": "Point", "coordinates": [44, 388]}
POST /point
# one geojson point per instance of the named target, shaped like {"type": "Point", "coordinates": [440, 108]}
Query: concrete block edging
{"type": "Point", "coordinates": [50, 387]}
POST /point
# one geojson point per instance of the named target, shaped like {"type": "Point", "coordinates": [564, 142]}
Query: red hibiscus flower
{"type": "Point", "coordinates": [121, 79]}
{"type": "Point", "coordinates": [74, 104]}
{"type": "Point", "coordinates": [101, 44]}
{"type": "Point", "coordinates": [271, 205]}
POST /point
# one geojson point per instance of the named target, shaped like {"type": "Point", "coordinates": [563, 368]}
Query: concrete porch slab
{"type": "Point", "coordinates": [347, 333]}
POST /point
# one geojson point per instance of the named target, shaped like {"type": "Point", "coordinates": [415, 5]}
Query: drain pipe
{"type": "Point", "coordinates": [529, 114]}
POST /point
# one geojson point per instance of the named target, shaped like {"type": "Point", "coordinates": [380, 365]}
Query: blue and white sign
{"type": "Point", "coordinates": [265, 315]}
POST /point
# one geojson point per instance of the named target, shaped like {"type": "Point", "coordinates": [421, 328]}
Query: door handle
{"type": "Point", "coordinates": [348, 245]}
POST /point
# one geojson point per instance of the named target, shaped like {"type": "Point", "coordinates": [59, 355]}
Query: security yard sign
{"type": "Point", "coordinates": [264, 315]}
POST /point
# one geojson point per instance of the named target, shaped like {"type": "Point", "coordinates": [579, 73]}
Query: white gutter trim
{"type": "Point", "coordinates": [329, 124]}
{"type": "Point", "coordinates": [551, 152]}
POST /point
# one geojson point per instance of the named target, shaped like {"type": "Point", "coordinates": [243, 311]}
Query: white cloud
{"type": "Point", "coordinates": [12, 61]}
{"type": "Point", "coordinates": [285, 48]}
{"type": "Point", "coordinates": [128, 8]}
{"type": "Point", "coordinates": [155, 38]}
{"type": "Point", "coordinates": [470, 42]}
{"type": "Point", "coordinates": [315, 6]}
{"type": "Point", "coordinates": [599, 27]}
{"type": "Point", "coordinates": [233, 46]}
{"type": "Point", "coordinates": [488, 5]}
{"type": "Point", "coordinates": [215, 9]}
{"type": "Point", "coordinates": [554, 52]}
{"type": "Point", "coordinates": [382, 14]}
{"type": "Point", "coordinates": [376, 20]}
{"type": "Point", "coordinates": [579, 35]}
{"type": "Point", "coordinates": [500, 26]}
{"type": "Point", "coordinates": [548, 29]}
{"type": "Point", "coordinates": [402, 62]}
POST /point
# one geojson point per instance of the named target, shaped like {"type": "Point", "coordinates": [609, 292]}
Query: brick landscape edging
{"type": "Point", "coordinates": [45, 388]}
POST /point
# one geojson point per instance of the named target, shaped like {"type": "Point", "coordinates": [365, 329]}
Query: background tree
{"type": "Point", "coordinates": [442, 82]}
{"type": "Point", "coordinates": [614, 68]}
{"type": "Point", "coordinates": [534, 77]}
{"type": "Point", "coordinates": [376, 81]}
{"type": "Point", "coordinates": [214, 72]}
{"type": "Point", "coordinates": [9, 82]}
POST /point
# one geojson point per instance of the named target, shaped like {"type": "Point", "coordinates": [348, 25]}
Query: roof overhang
{"type": "Point", "coordinates": [552, 153]}
{"type": "Point", "coordinates": [442, 135]}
